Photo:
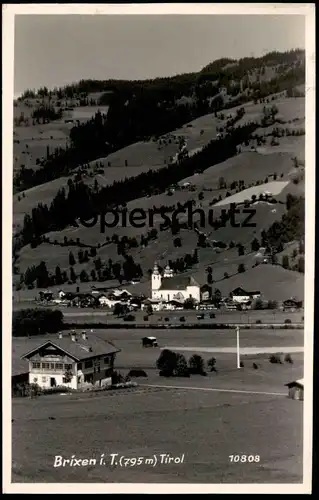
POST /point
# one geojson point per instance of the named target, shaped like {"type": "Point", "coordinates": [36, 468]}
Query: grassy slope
{"type": "Point", "coordinates": [249, 166]}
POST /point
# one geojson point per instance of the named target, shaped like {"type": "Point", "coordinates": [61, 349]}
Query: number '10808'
{"type": "Point", "coordinates": [244, 458]}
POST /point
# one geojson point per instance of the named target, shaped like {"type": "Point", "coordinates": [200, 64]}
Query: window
{"type": "Point", "coordinates": [44, 379]}
{"type": "Point", "coordinates": [59, 366]}
{"type": "Point", "coordinates": [51, 366]}
{"type": "Point", "coordinates": [45, 366]}
{"type": "Point", "coordinates": [36, 364]}
{"type": "Point", "coordinates": [88, 378]}
{"type": "Point", "coordinates": [68, 366]}
{"type": "Point", "coordinates": [79, 366]}
{"type": "Point", "coordinates": [64, 380]}
{"type": "Point", "coordinates": [88, 364]}
{"type": "Point", "coordinates": [107, 360]}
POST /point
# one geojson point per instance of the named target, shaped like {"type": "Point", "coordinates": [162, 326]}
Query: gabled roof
{"type": "Point", "coordinates": [178, 283]}
{"type": "Point", "coordinates": [297, 383]}
{"type": "Point", "coordinates": [79, 349]}
{"type": "Point", "coordinates": [240, 291]}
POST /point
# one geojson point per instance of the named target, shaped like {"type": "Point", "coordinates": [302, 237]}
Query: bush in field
{"type": "Point", "coordinates": [117, 378]}
{"type": "Point", "coordinates": [275, 359]}
{"type": "Point", "coordinates": [181, 366]}
{"type": "Point", "coordinates": [166, 363]}
{"type": "Point", "coordinates": [136, 373]}
{"type": "Point", "coordinates": [196, 365]}
{"type": "Point", "coordinates": [211, 363]}
{"type": "Point", "coordinates": [288, 359]}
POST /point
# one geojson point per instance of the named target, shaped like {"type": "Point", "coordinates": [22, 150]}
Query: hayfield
{"type": "Point", "coordinates": [207, 427]}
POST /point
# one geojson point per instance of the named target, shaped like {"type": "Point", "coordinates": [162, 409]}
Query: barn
{"type": "Point", "coordinates": [296, 389]}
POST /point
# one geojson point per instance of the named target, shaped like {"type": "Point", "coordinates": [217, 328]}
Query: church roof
{"type": "Point", "coordinates": [178, 283]}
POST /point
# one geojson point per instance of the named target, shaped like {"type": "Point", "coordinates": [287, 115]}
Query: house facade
{"type": "Point", "coordinates": [71, 360]}
{"type": "Point", "coordinates": [240, 296]}
{"type": "Point", "coordinates": [168, 287]}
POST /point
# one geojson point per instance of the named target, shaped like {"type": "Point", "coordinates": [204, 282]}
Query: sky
{"type": "Point", "coordinates": [55, 50]}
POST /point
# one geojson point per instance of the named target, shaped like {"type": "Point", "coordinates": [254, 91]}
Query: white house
{"type": "Point", "coordinates": [71, 360]}
{"type": "Point", "coordinates": [169, 287]}
{"type": "Point", "coordinates": [106, 302]}
{"type": "Point", "coordinates": [239, 295]}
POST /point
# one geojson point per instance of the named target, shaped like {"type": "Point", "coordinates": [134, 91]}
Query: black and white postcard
{"type": "Point", "coordinates": [158, 247]}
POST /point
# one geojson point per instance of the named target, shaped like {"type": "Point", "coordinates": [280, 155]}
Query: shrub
{"type": "Point", "coordinates": [182, 318]}
{"type": "Point", "coordinates": [166, 363]}
{"type": "Point", "coordinates": [166, 319]}
{"type": "Point", "coordinates": [145, 318]}
{"type": "Point", "coordinates": [117, 378]}
{"type": "Point", "coordinates": [181, 369]}
{"type": "Point", "coordinates": [288, 359]}
{"type": "Point", "coordinates": [129, 317]}
{"type": "Point", "coordinates": [212, 315]}
{"type": "Point", "coordinates": [196, 364]}
{"type": "Point", "coordinates": [287, 321]}
{"type": "Point", "coordinates": [137, 373]}
{"type": "Point", "coordinates": [211, 363]}
{"type": "Point", "coordinates": [258, 322]}
{"type": "Point", "coordinates": [275, 359]}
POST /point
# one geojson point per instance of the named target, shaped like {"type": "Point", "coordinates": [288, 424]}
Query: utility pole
{"type": "Point", "coordinates": [238, 355]}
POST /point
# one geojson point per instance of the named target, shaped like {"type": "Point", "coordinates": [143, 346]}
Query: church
{"type": "Point", "coordinates": [168, 287]}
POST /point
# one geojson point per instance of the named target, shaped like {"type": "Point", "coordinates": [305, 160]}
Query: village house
{"type": "Point", "coordinates": [169, 287]}
{"type": "Point", "coordinates": [46, 295]}
{"type": "Point", "coordinates": [291, 305]}
{"type": "Point", "coordinates": [71, 360]}
{"type": "Point", "coordinates": [156, 305]}
{"type": "Point", "coordinates": [105, 301]}
{"type": "Point", "coordinates": [296, 389]}
{"type": "Point", "coordinates": [173, 305]}
{"type": "Point", "coordinates": [240, 295]}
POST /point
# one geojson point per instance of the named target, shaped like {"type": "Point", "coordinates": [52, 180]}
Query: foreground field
{"type": "Point", "coordinates": [207, 427]}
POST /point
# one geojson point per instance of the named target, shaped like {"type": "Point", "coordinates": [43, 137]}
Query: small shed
{"type": "Point", "coordinates": [296, 389]}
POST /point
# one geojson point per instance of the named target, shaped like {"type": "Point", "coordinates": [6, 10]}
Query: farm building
{"type": "Point", "coordinates": [106, 302]}
{"type": "Point", "coordinates": [291, 305]}
{"type": "Point", "coordinates": [240, 295]}
{"type": "Point", "coordinates": [169, 287]}
{"type": "Point", "coordinates": [71, 360]}
{"type": "Point", "coordinates": [296, 389]}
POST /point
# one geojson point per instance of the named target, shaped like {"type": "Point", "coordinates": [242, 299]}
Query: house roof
{"type": "Point", "coordinates": [178, 283]}
{"type": "Point", "coordinates": [79, 349]}
{"type": "Point", "coordinates": [240, 291]}
{"type": "Point", "coordinates": [298, 383]}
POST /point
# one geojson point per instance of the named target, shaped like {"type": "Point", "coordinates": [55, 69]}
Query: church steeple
{"type": "Point", "coordinates": [156, 278]}
{"type": "Point", "coordinates": [168, 273]}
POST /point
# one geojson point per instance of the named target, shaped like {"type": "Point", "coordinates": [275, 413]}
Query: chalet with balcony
{"type": "Point", "coordinates": [72, 360]}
